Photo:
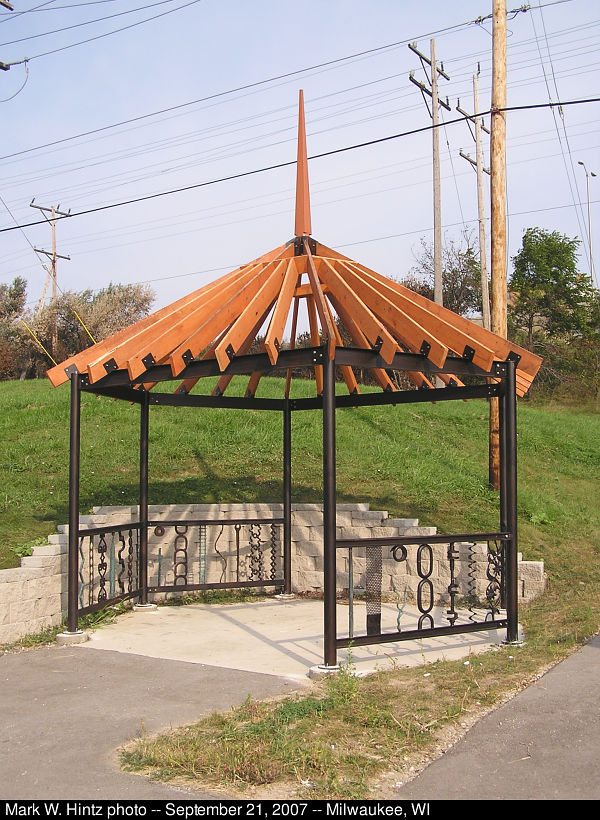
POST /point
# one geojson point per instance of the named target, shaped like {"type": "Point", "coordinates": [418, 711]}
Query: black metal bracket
{"type": "Point", "coordinates": [317, 355]}
{"type": "Point", "coordinates": [513, 356]}
{"type": "Point", "coordinates": [148, 361]}
{"type": "Point", "coordinates": [468, 353]}
{"type": "Point", "coordinates": [378, 345]}
{"type": "Point", "coordinates": [425, 348]}
{"type": "Point", "coordinates": [499, 369]}
{"type": "Point", "coordinates": [187, 356]}
{"type": "Point", "coordinates": [110, 365]}
{"type": "Point", "coordinates": [71, 369]}
{"type": "Point", "coordinates": [230, 352]}
{"type": "Point", "coordinates": [299, 245]}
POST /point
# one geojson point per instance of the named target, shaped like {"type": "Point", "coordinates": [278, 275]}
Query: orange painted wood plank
{"type": "Point", "coordinates": [275, 331]}
{"type": "Point", "coordinates": [353, 306]}
{"type": "Point", "coordinates": [346, 370]}
{"type": "Point", "coordinates": [394, 318]}
{"type": "Point", "coordinates": [419, 379]}
{"type": "Point", "coordinates": [174, 335]}
{"type": "Point", "coordinates": [253, 384]}
{"type": "Point", "coordinates": [306, 289]}
{"type": "Point", "coordinates": [103, 349]}
{"type": "Point", "coordinates": [266, 295]}
{"type": "Point", "coordinates": [529, 362]}
{"type": "Point", "coordinates": [181, 325]}
{"type": "Point", "coordinates": [227, 314]}
{"type": "Point", "coordinates": [226, 378]}
{"type": "Point", "coordinates": [188, 384]}
{"type": "Point", "coordinates": [442, 328]}
{"type": "Point", "coordinates": [319, 299]}
{"type": "Point", "coordinates": [315, 339]}
{"type": "Point", "coordinates": [361, 341]}
{"type": "Point", "coordinates": [288, 374]}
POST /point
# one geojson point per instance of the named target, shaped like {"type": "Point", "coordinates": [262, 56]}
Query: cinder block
{"type": "Point", "coordinates": [49, 549]}
{"type": "Point", "coordinates": [304, 548]}
{"type": "Point", "coordinates": [308, 581]}
{"type": "Point", "coordinates": [307, 518]}
{"type": "Point", "coordinates": [10, 593]}
{"type": "Point", "coordinates": [401, 523]}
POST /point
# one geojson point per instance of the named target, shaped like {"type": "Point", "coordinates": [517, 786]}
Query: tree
{"type": "Point", "coordinates": [12, 303]}
{"type": "Point", "coordinates": [548, 296]}
{"type": "Point", "coordinates": [461, 274]}
{"type": "Point", "coordinates": [81, 316]}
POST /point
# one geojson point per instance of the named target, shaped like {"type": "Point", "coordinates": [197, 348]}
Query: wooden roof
{"type": "Point", "coordinates": [221, 320]}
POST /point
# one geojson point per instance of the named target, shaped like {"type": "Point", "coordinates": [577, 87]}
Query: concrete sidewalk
{"type": "Point", "coordinates": [65, 710]}
{"type": "Point", "coordinates": [283, 637]}
{"type": "Point", "coordinates": [543, 744]}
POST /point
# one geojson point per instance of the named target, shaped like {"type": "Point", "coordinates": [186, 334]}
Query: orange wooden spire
{"type": "Point", "coordinates": [302, 226]}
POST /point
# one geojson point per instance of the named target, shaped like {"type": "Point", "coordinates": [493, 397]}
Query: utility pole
{"type": "Point", "coordinates": [54, 211]}
{"type": "Point", "coordinates": [589, 174]}
{"type": "Point", "coordinates": [479, 167]}
{"type": "Point", "coordinates": [498, 212]}
{"type": "Point", "coordinates": [432, 93]}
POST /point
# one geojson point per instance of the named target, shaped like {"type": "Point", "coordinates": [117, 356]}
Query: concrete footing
{"type": "Point", "coordinates": [70, 638]}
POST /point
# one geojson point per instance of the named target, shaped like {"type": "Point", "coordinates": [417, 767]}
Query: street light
{"type": "Point", "coordinates": [589, 174]}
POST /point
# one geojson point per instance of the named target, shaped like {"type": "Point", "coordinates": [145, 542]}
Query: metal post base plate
{"type": "Point", "coordinates": [320, 672]}
{"type": "Point", "coordinates": [70, 638]}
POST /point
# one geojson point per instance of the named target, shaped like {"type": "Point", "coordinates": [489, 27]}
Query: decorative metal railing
{"type": "Point", "coordinates": [181, 556]}
{"type": "Point", "coordinates": [108, 565]}
{"type": "Point", "coordinates": [456, 581]}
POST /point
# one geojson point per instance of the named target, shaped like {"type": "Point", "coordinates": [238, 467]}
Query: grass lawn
{"type": "Point", "coordinates": [424, 461]}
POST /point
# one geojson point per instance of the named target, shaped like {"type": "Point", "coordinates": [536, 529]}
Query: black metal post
{"type": "Point", "coordinates": [74, 464]}
{"type": "Point", "coordinates": [510, 503]}
{"type": "Point", "coordinates": [143, 547]}
{"type": "Point", "coordinates": [329, 511]}
{"type": "Point", "coordinates": [287, 498]}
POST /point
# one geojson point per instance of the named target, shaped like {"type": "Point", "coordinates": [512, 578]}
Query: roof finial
{"type": "Point", "coordinates": [302, 226]}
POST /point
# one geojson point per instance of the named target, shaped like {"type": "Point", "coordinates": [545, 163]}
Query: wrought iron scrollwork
{"type": "Point", "coordinates": [220, 555]}
{"type": "Point", "coordinates": [180, 556]}
{"type": "Point", "coordinates": [425, 586]}
{"type": "Point", "coordinates": [256, 556]}
{"type": "Point", "coordinates": [494, 575]}
{"type": "Point", "coordinates": [453, 555]}
{"type": "Point", "coordinates": [102, 567]}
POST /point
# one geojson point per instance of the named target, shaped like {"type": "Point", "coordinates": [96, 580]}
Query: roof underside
{"type": "Point", "coordinates": [219, 323]}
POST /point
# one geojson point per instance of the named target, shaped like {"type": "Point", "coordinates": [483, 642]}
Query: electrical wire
{"type": "Point", "coordinates": [110, 33]}
{"type": "Point", "coordinates": [287, 164]}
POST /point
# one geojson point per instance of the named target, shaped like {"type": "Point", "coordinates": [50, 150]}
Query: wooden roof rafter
{"type": "Point", "coordinates": [214, 328]}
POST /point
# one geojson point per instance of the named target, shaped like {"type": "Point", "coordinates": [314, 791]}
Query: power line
{"type": "Point", "coordinates": [276, 166]}
{"type": "Point", "coordinates": [114, 31]}
{"type": "Point", "coordinates": [238, 89]}
{"type": "Point", "coordinates": [85, 23]}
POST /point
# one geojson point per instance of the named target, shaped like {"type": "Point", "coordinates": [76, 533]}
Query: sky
{"type": "Point", "coordinates": [125, 99]}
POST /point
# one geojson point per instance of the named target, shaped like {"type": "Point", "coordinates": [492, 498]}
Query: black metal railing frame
{"type": "Point", "coordinates": [112, 576]}
{"type": "Point", "coordinates": [397, 550]}
{"type": "Point", "coordinates": [499, 382]}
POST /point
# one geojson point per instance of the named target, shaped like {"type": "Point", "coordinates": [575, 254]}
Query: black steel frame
{"type": "Point", "coordinates": [499, 382]}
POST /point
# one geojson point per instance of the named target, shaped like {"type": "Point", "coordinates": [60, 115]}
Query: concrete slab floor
{"type": "Point", "coordinates": [275, 637]}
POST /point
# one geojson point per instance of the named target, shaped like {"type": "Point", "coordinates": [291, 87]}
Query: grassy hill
{"type": "Point", "coordinates": [426, 461]}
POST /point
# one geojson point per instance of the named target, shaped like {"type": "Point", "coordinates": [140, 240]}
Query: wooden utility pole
{"type": "Point", "coordinates": [498, 212]}
{"type": "Point", "coordinates": [479, 167]}
{"type": "Point", "coordinates": [54, 211]}
{"type": "Point", "coordinates": [437, 202]}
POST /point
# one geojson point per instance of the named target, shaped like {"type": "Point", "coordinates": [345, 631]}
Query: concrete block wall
{"type": "Point", "coordinates": [34, 595]}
